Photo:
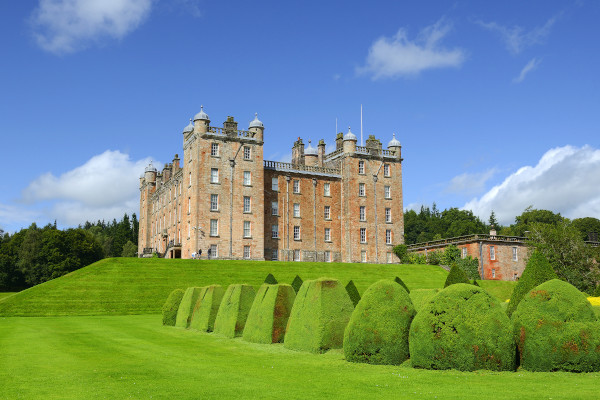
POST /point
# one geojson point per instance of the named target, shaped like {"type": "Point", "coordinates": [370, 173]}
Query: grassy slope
{"type": "Point", "coordinates": [120, 286]}
{"type": "Point", "coordinates": [118, 357]}
{"type": "Point", "coordinates": [6, 294]}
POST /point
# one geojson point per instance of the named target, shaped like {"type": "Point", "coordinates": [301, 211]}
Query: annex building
{"type": "Point", "coordinates": [223, 198]}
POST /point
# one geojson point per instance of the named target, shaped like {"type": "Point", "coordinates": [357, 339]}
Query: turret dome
{"type": "Point", "coordinates": [350, 135]}
{"type": "Point", "coordinates": [189, 128]}
{"type": "Point", "coordinates": [310, 151]}
{"type": "Point", "coordinates": [256, 123]}
{"type": "Point", "coordinates": [394, 142]}
{"type": "Point", "coordinates": [201, 115]}
{"type": "Point", "coordinates": [150, 167]}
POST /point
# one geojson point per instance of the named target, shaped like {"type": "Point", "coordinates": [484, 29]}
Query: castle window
{"type": "Point", "coordinates": [464, 252]}
{"type": "Point", "coordinates": [362, 213]}
{"type": "Point", "coordinates": [492, 253]}
{"type": "Point", "coordinates": [189, 205]}
{"type": "Point", "coordinates": [327, 256]}
{"type": "Point", "coordinates": [388, 236]}
{"type": "Point", "coordinates": [515, 254]}
{"type": "Point", "coordinates": [363, 235]}
{"type": "Point", "coordinates": [296, 232]}
{"type": "Point", "coordinates": [326, 189]}
{"type": "Point", "coordinates": [274, 208]}
{"type": "Point", "coordinates": [275, 231]}
{"type": "Point", "coordinates": [327, 212]}
{"type": "Point", "coordinates": [387, 191]}
{"type": "Point", "coordinates": [214, 202]}
{"type": "Point", "coordinates": [214, 227]}
{"type": "Point", "coordinates": [328, 234]}
{"type": "Point", "coordinates": [361, 189]}
{"type": "Point", "coordinates": [275, 184]}
{"type": "Point", "coordinates": [361, 167]}
{"type": "Point", "coordinates": [247, 252]}
{"type": "Point", "coordinates": [388, 257]}
{"type": "Point", "coordinates": [213, 250]}
{"type": "Point", "coordinates": [363, 256]}
{"type": "Point", "coordinates": [214, 149]}
{"type": "Point", "coordinates": [247, 230]}
{"type": "Point", "coordinates": [246, 153]}
{"type": "Point", "coordinates": [386, 170]}
{"type": "Point", "coordinates": [296, 186]}
{"type": "Point", "coordinates": [493, 273]}
{"type": "Point", "coordinates": [274, 255]}
{"type": "Point", "coordinates": [388, 215]}
{"type": "Point", "coordinates": [214, 175]}
{"type": "Point", "coordinates": [246, 204]}
{"type": "Point", "coordinates": [247, 178]}
{"type": "Point", "coordinates": [296, 255]}
{"type": "Point", "coordinates": [296, 210]}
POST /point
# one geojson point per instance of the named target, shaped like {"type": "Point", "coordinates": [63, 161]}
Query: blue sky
{"type": "Point", "coordinates": [497, 104]}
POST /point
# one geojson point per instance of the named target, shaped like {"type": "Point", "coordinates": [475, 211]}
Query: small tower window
{"type": "Point", "coordinates": [327, 212]}
{"type": "Point", "coordinates": [386, 170]}
{"type": "Point", "coordinates": [214, 175]}
{"type": "Point", "coordinates": [247, 154]}
{"type": "Point", "coordinates": [387, 191]}
{"type": "Point", "coordinates": [388, 215]}
{"type": "Point", "coordinates": [362, 213]}
{"type": "Point", "coordinates": [214, 149]}
{"type": "Point", "coordinates": [296, 186]}
{"type": "Point", "coordinates": [363, 235]}
{"type": "Point", "coordinates": [247, 178]}
{"type": "Point", "coordinates": [361, 167]}
{"type": "Point", "coordinates": [327, 234]}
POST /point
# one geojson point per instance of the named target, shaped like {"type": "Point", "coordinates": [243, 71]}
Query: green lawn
{"type": "Point", "coordinates": [120, 286]}
{"type": "Point", "coordinates": [118, 357]}
{"type": "Point", "coordinates": [6, 294]}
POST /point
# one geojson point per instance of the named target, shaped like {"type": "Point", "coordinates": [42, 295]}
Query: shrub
{"type": "Point", "coordinates": [270, 279]}
{"type": "Point", "coordinates": [206, 308]}
{"type": "Point", "coordinates": [401, 283]}
{"type": "Point", "coordinates": [462, 327]}
{"type": "Point", "coordinates": [434, 257]}
{"type": "Point", "coordinates": [475, 282]}
{"type": "Point", "coordinates": [470, 266]}
{"type": "Point", "coordinates": [296, 283]}
{"type": "Point", "coordinates": [353, 293]}
{"type": "Point", "coordinates": [233, 311]}
{"type": "Point", "coordinates": [417, 258]}
{"type": "Point", "coordinates": [451, 254]}
{"type": "Point", "coordinates": [456, 275]}
{"type": "Point", "coordinates": [186, 307]}
{"type": "Point", "coordinates": [268, 317]}
{"type": "Point", "coordinates": [378, 329]}
{"type": "Point", "coordinates": [537, 271]}
{"type": "Point", "coordinates": [555, 328]}
{"type": "Point", "coordinates": [319, 316]}
{"type": "Point", "coordinates": [401, 251]}
{"type": "Point", "coordinates": [169, 309]}
{"type": "Point", "coordinates": [597, 291]}
{"type": "Point", "coordinates": [420, 297]}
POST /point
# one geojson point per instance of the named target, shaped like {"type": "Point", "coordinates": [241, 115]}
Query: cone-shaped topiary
{"type": "Point", "coordinates": [234, 310]}
{"type": "Point", "coordinates": [555, 328]}
{"type": "Point", "coordinates": [270, 279]}
{"type": "Point", "coordinates": [537, 271]}
{"type": "Point", "coordinates": [401, 283]}
{"type": "Point", "coordinates": [462, 327]}
{"type": "Point", "coordinates": [206, 308]}
{"type": "Point", "coordinates": [297, 283]}
{"type": "Point", "coordinates": [378, 329]}
{"type": "Point", "coordinates": [456, 275]}
{"type": "Point", "coordinates": [186, 307]}
{"type": "Point", "coordinates": [353, 292]}
{"type": "Point", "coordinates": [475, 283]}
{"type": "Point", "coordinates": [169, 309]}
{"type": "Point", "coordinates": [320, 314]}
{"type": "Point", "coordinates": [269, 314]}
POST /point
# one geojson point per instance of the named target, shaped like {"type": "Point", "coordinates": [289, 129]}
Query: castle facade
{"type": "Point", "coordinates": [223, 200]}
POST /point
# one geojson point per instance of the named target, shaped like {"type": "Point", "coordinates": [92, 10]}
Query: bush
{"type": "Point", "coordinates": [268, 317]}
{"type": "Point", "coordinates": [555, 328]}
{"type": "Point", "coordinates": [401, 283]}
{"type": "Point", "coordinates": [475, 283]}
{"type": "Point", "coordinates": [420, 297]}
{"type": "Point", "coordinates": [297, 283]}
{"type": "Point", "coordinates": [206, 308]}
{"type": "Point", "coordinates": [169, 309]}
{"type": "Point", "coordinates": [456, 275]}
{"type": "Point", "coordinates": [470, 266]}
{"type": "Point", "coordinates": [451, 254]}
{"type": "Point", "coordinates": [270, 279]}
{"type": "Point", "coordinates": [462, 327]}
{"type": "Point", "coordinates": [378, 329]}
{"type": "Point", "coordinates": [537, 271]}
{"type": "Point", "coordinates": [186, 307]}
{"type": "Point", "coordinates": [353, 293]}
{"type": "Point", "coordinates": [434, 257]}
{"type": "Point", "coordinates": [597, 291]}
{"type": "Point", "coordinates": [417, 258]}
{"type": "Point", "coordinates": [401, 251]}
{"type": "Point", "coordinates": [320, 314]}
{"type": "Point", "coordinates": [233, 311]}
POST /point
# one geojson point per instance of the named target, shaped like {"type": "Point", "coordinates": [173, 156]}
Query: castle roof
{"type": "Point", "coordinates": [394, 142]}
{"type": "Point", "coordinates": [256, 123]}
{"type": "Point", "coordinates": [310, 151]}
{"type": "Point", "coordinates": [189, 128]}
{"type": "Point", "coordinates": [201, 115]}
{"type": "Point", "coordinates": [350, 135]}
{"type": "Point", "coordinates": [150, 167]}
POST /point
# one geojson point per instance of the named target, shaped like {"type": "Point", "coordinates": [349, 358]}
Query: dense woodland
{"type": "Point", "coordinates": [35, 255]}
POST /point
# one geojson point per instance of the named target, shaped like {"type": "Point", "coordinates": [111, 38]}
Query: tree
{"type": "Point", "coordinates": [493, 222]}
{"type": "Point", "coordinates": [401, 252]}
{"type": "Point", "coordinates": [530, 216]}
{"type": "Point", "coordinates": [588, 226]}
{"type": "Point", "coordinates": [129, 249]}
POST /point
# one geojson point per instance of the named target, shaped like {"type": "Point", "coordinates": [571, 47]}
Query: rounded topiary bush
{"type": "Point", "coordinates": [462, 327]}
{"type": "Point", "coordinates": [269, 314]}
{"type": "Point", "coordinates": [378, 329]}
{"type": "Point", "coordinates": [537, 271]}
{"type": "Point", "coordinates": [169, 309]}
{"type": "Point", "coordinates": [186, 307]}
{"type": "Point", "coordinates": [206, 308]}
{"type": "Point", "coordinates": [555, 328]}
{"type": "Point", "coordinates": [456, 275]}
{"type": "Point", "coordinates": [319, 316]}
{"type": "Point", "coordinates": [233, 311]}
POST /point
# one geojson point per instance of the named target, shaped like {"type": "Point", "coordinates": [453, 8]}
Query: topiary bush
{"type": "Point", "coordinates": [475, 283]}
{"type": "Point", "coordinates": [537, 271]}
{"type": "Point", "coordinates": [462, 327]}
{"type": "Point", "coordinates": [470, 266]}
{"type": "Point", "coordinates": [269, 314]}
{"type": "Point", "coordinates": [270, 279]}
{"type": "Point", "coordinates": [169, 309]}
{"type": "Point", "coordinates": [456, 275]}
{"type": "Point", "coordinates": [420, 297]}
{"type": "Point", "coordinates": [319, 316]}
{"type": "Point", "coordinates": [378, 329]}
{"type": "Point", "coordinates": [555, 328]}
{"type": "Point", "coordinates": [451, 255]}
{"type": "Point", "coordinates": [353, 293]}
{"type": "Point", "coordinates": [206, 308]}
{"type": "Point", "coordinates": [401, 283]}
{"type": "Point", "coordinates": [297, 283]}
{"type": "Point", "coordinates": [234, 309]}
{"type": "Point", "coordinates": [186, 307]}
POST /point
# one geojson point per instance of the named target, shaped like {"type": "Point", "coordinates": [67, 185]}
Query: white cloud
{"type": "Point", "coordinates": [531, 66]}
{"type": "Point", "coordinates": [105, 187]}
{"type": "Point", "coordinates": [66, 26]}
{"type": "Point", "coordinates": [565, 180]}
{"type": "Point", "coordinates": [469, 184]}
{"type": "Point", "coordinates": [516, 38]}
{"type": "Point", "coordinates": [398, 56]}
